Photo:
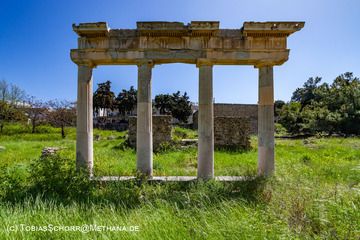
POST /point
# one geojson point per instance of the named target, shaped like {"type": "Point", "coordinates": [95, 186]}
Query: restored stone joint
{"type": "Point", "coordinates": [266, 154]}
{"type": "Point", "coordinates": [144, 137]}
{"type": "Point", "coordinates": [84, 127]}
{"type": "Point", "coordinates": [206, 122]}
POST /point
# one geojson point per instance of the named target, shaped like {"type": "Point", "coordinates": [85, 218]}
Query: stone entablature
{"type": "Point", "coordinates": [256, 43]}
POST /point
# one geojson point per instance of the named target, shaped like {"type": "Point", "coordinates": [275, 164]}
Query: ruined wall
{"type": "Point", "coordinates": [232, 133]}
{"type": "Point", "coordinates": [249, 111]}
{"type": "Point", "coordinates": [110, 123]}
{"type": "Point", "coordinates": [161, 127]}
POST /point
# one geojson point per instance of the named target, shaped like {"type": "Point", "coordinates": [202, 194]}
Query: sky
{"type": "Point", "coordinates": [36, 38]}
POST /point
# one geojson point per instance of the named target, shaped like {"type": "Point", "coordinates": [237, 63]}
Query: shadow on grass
{"type": "Point", "coordinates": [54, 179]}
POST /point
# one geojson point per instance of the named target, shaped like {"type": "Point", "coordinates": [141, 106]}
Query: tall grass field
{"type": "Point", "coordinates": [314, 194]}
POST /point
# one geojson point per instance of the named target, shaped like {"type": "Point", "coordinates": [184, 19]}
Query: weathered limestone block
{"type": "Point", "coordinates": [249, 111]}
{"type": "Point", "coordinates": [49, 151]}
{"type": "Point", "coordinates": [232, 133]}
{"type": "Point", "coordinates": [161, 128]}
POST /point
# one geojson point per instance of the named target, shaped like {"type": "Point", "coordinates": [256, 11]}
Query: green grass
{"type": "Point", "coordinates": [315, 193]}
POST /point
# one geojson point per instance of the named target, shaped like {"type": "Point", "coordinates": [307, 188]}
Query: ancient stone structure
{"type": "Point", "coordinates": [232, 133]}
{"type": "Point", "coordinates": [161, 128]}
{"type": "Point", "coordinates": [249, 111]}
{"type": "Point", "coordinates": [110, 123]}
{"type": "Point", "coordinates": [261, 44]}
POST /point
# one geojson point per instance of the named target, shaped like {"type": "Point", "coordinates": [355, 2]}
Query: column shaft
{"type": "Point", "coordinates": [205, 168]}
{"type": "Point", "coordinates": [266, 121]}
{"type": "Point", "coordinates": [144, 141]}
{"type": "Point", "coordinates": [84, 127]}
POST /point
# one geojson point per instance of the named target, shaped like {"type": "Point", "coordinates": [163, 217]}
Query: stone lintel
{"type": "Point", "coordinates": [134, 57]}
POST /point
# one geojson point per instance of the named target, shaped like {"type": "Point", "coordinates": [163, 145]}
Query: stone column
{"type": "Point", "coordinates": [266, 121]}
{"type": "Point", "coordinates": [84, 126]}
{"type": "Point", "coordinates": [205, 169]}
{"type": "Point", "coordinates": [144, 141]}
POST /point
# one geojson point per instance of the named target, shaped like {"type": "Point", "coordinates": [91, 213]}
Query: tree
{"type": "Point", "coordinates": [306, 94]}
{"type": "Point", "coordinates": [290, 117]}
{"type": "Point", "coordinates": [16, 95]}
{"type": "Point", "coordinates": [11, 93]}
{"type": "Point", "coordinates": [181, 109]}
{"type": "Point", "coordinates": [4, 90]}
{"type": "Point", "coordinates": [36, 111]}
{"type": "Point", "coordinates": [9, 113]}
{"type": "Point", "coordinates": [61, 114]}
{"type": "Point", "coordinates": [164, 102]}
{"type": "Point", "coordinates": [127, 100]}
{"type": "Point", "coordinates": [345, 101]}
{"type": "Point", "coordinates": [278, 104]}
{"type": "Point", "coordinates": [324, 108]}
{"type": "Point", "coordinates": [176, 104]}
{"type": "Point", "coordinates": [103, 97]}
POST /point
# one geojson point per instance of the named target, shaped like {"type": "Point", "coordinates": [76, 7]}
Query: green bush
{"type": "Point", "coordinates": [182, 133]}
{"type": "Point", "coordinates": [12, 183]}
{"type": "Point", "coordinates": [56, 177]}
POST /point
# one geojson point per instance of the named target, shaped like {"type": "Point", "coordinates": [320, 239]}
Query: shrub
{"type": "Point", "coordinates": [56, 177]}
{"type": "Point", "coordinates": [12, 183]}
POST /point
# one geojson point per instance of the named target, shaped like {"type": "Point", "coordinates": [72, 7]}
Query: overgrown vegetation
{"type": "Point", "coordinates": [323, 108]}
{"type": "Point", "coordinates": [314, 194]}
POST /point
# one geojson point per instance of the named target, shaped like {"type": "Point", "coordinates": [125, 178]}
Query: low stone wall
{"type": "Point", "coordinates": [161, 127]}
{"type": "Point", "coordinates": [232, 133]}
{"type": "Point", "coordinates": [249, 111]}
{"type": "Point", "coordinates": [110, 123]}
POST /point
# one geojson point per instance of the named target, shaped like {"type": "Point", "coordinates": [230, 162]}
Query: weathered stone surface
{"type": "Point", "coordinates": [205, 167]}
{"type": "Point", "coordinates": [232, 133]}
{"type": "Point", "coordinates": [261, 44]}
{"type": "Point", "coordinates": [256, 43]}
{"type": "Point", "coordinates": [249, 111]}
{"type": "Point", "coordinates": [110, 123]}
{"type": "Point", "coordinates": [48, 151]}
{"type": "Point", "coordinates": [161, 130]}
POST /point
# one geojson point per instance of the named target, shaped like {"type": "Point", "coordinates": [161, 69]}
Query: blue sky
{"type": "Point", "coordinates": [36, 37]}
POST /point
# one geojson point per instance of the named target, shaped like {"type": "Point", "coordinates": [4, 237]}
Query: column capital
{"type": "Point", "coordinates": [204, 62]}
{"type": "Point", "coordinates": [89, 64]}
{"type": "Point", "coordinates": [148, 62]}
{"type": "Point", "coordinates": [264, 64]}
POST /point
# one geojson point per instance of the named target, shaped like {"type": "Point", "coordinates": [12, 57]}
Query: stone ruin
{"type": "Point", "coordinates": [232, 133]}
{"type": "Point", "coordinates": [259, 44]}
{"type": "Point", "coordinates": [249, 111]}
{"type": "Point", "coordinates": [161, 129]}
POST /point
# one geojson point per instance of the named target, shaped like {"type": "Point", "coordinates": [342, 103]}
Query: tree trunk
{"type": "Point", "coordinates": [33, 127]}
{"type": "Point", "coordinates": [62, 132]}
{"type": "Point", "coordinates": [1, 127]}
